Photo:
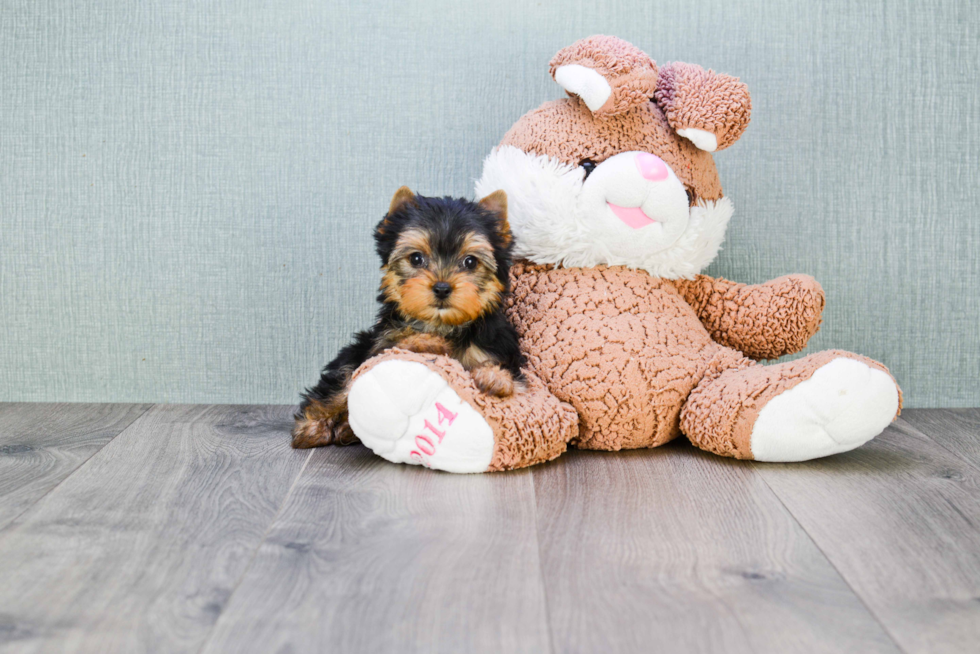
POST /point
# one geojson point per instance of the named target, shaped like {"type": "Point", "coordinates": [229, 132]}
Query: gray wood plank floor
{"type": "Point", "coordinates": [140, 548]}
{"type": "Point", "coordinates": [958, 430]}
{"type": "Point", "coordinates": [197, 529]}
{"type": "Point", "coordinates": [41, 444]}
{"type": "Point", "coordinates": [371, 557]}
{"type": "Point", "coordinates": [675, 546]}
{"type": "Point", "coordinates": [900, 519]}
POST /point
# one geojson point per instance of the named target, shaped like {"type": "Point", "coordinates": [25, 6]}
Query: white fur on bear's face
{"type": "Point", "coordinates": [662, 203]}
{"type": "Point", "coordinates": [559, 217]}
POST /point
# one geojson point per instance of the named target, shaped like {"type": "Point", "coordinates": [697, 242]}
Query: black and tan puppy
{"type": "Point", "coordinates": [445, 263]}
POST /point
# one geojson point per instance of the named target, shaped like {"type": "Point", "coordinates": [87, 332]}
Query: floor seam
{"type": "Point", "coordinates": [830, 561]}
{"type": "Point", "coordinates": [957, 455]}
{"type": "Point", "coordinates": [12, 525]}
{"type": "Point", "coordinates": [537, 544]}
{"type": "Point", "coordinates": [255, 551]}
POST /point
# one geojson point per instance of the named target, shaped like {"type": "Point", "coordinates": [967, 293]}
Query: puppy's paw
{"type": "Point", "coordinates": [494, 380]}
{"type": "Point", "coordinates": [426, 344]}
{"type": "Point", "coordinates": [318, 432]}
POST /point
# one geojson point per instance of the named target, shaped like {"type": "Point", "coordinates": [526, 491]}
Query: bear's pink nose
{"type": "Point", "coordinates": [651, 167]}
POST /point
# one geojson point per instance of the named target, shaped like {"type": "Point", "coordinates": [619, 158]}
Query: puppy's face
{"type": "Point", "coordinates": [445, 261]}
{"type": "Point", "coordinates": [449, 281]}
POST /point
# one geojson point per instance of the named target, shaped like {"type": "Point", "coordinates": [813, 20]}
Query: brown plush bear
{"type": "Point", "coordinates": [616, 206]}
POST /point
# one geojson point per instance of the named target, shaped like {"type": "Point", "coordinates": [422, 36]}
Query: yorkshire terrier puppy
{"type": "Point", "coordinates": [445, 265]}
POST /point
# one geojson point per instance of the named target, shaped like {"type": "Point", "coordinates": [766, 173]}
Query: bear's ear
{"type": "Point", "coordinates": [709, 109]}
{"type": "Point", "coordinates": [608, 74]}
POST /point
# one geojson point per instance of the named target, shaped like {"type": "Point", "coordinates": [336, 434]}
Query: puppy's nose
{"type": "Point", "coordinates": [441, 290]}
{"type": "Point", "coordinates": [651, 167]}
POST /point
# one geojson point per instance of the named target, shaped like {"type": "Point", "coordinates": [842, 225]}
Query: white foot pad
{"type": "Point", "coordinates": [406, 413]}
{"type": "Point", "coordinates": [843, 405]}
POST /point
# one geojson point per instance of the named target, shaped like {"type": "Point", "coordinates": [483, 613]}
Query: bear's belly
{"type": "Point", "coordinates": [619, 345]}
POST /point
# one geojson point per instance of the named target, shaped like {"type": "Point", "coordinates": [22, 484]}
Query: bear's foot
{"type": "Point", "coordinates": [425, 409]}
{"type": "Point", "coordinates": [843, 405]}
{"type": "Point", "coordinates": [823, 404]}
{"type": "Point", "coordinates": [407, 413]}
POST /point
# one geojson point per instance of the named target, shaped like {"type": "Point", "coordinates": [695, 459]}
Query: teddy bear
{"type": "Point", "coordinates": [615, 207]}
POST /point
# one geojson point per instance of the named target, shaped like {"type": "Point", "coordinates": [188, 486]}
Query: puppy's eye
{"type": "Point", "coordinates": [588, 165]}
{"type": "Point", "coordinates": [417, 259]}
{"type": "Point", "coordinates": [690, 197]}
{"type": "Point", "coordinates": [469, 262]}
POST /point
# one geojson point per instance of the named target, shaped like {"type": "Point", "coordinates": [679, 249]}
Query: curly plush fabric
{"type": "Point", "coordinates": [531, 426]}
{"type": "Point", "coordinates": [720, 414]}
{"type": "Point", "coordinates": [631, 74]}
{"type": "Point", "coordinates": [621, 346]}
{"type": "Point", "coordinates": [633, 353]}
{"type": "Point", "coordinates": [694, 97]}
{"type": "Point", "coordinates": [769, 320]}
{"type": "Point", "coordinates": [566, 130]}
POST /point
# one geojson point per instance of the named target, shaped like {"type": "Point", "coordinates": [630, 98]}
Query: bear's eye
{"type": "Point", "coordinates": [589, 166]}
{"type": "Point", "coordinates": [417, 259]}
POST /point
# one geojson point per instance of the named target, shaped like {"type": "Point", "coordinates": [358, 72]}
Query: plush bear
{"type": "Point", "coordinates": [615, 206]}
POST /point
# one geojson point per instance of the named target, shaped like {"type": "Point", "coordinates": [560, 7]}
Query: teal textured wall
{"type": "Point", "coordinates": [187, 189]}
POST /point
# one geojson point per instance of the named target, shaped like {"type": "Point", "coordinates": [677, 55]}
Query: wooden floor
{"type": "Point", "coordinates": [135, 528]}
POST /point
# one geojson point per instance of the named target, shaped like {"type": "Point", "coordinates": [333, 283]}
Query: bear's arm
{"type": "Point", "coordinates": [763, 321]}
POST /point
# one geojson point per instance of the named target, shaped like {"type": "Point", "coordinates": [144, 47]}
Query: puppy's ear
{"type": "Point", "coordinates": [402, 197]}
{"type": "Point", "coordinates": [496, 203]}
{"type": "Point", "coordinates": [709, 109]}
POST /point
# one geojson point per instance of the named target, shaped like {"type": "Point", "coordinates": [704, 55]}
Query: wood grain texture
{"type": "Point", "coordinates": [367, 556]}
{"type": "Point", "coordinates": [957, 430]}
{"type": "Point", "coordinates": [140, 549]}
{"type": "Point", "coordinates": [900, 519]}
{"type": "Point", "coordinates": [41, 444]}
{"type": "Point", "coordinates": [675, 550]}
{"type": "Point", "coordinates": [197, 529]}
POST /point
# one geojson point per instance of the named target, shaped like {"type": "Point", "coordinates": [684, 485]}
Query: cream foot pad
{"type": "Point", "coordinates": [843, 405]}
{"type": "Point", "coordinates": [407, 413]}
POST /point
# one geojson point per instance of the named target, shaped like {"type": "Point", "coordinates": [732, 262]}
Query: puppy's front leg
{"type": "Point", "coordinates": [323, 422]}
{"type": "Point", "coordinates": [494, 380]}
{"type": "Point", "coordinates": [426, 344]}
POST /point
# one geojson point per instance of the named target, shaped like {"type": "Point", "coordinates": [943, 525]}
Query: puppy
{"type": "Point", "coordinates": [445, 265]}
